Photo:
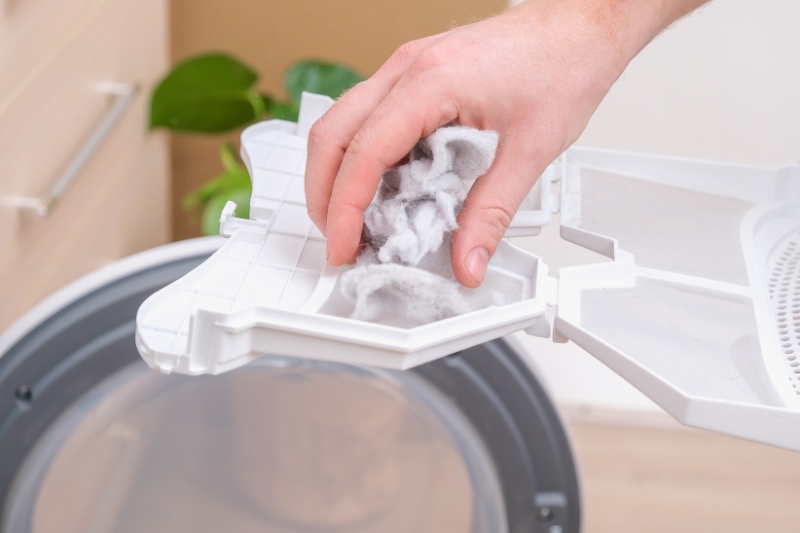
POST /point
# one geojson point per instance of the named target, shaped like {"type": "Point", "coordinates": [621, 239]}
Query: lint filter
{"type": "Point", "coordinates": [699, 307]}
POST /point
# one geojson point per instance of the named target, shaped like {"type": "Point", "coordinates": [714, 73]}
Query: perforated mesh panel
{"type": "Point", "coordinates": [784, 291]}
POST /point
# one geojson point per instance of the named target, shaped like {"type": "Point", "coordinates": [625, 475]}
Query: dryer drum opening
{"type": "Point", "coordinates": [91, 440]}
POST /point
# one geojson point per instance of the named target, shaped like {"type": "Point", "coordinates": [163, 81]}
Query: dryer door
{"type": "Point", "coordinates": [92, 440]}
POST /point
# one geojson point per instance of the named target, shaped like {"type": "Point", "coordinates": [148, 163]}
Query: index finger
{"type": "Point", "coordinates": [409, 113]}
{"type": "Point", "coordinates": [331, 134]}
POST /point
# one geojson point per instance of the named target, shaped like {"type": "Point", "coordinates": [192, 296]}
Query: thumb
{"type": "Point", "coordinates": [488, 210]}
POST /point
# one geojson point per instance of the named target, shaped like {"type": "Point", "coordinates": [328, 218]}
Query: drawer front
{"type": "Point", "coordinates": [32, 34]}
{"type": "Point", "coordinates": [52, 118]}
{"type": "Point", "coordinates": [118, 203]}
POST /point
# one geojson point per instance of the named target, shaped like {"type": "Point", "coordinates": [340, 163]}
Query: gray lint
{"type": "Point", "coordinates": [404, 270]}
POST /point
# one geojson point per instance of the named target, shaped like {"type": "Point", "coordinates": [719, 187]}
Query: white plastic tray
{"type": "Point", "coordinates": [269, 290]}
{"type": "Point", "coordinates": [700, 308]}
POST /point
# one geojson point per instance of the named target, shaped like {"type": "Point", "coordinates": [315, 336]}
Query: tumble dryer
{"type": "Point", "coordinates": [314, 422]}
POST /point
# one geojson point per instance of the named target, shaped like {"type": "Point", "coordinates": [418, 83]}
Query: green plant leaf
{"type": "Point", "coordinates": [319, 77]}
{"type": "Point", "coordinates": [234, 176]}
{"type": "Point", "coordinates": [209, 93]}
{"type": "Point", "coordinates": [233, 184]}
{"type": "Point", "coordinates": [285, 111]}
{"type": "Point", "coordinates": [228, 158]}
{"type": "Point", "coordinates": [213, 209]}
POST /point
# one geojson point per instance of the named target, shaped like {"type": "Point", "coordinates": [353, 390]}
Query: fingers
{"type": "Point", "coordinates": [331, 135]}
{"type": "Point", "coordinates": [411, 111]}
{"type": "Point", "coordinates": [489, 208]}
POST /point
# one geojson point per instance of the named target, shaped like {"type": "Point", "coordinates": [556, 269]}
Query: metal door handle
{"type": "Point", "coordinates": [124, 96]}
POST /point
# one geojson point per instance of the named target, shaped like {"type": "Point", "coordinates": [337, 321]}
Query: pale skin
{"type": "Point", "coordinates": [535, 74]}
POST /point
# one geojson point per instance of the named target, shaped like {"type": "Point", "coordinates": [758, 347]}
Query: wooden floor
{"type": "Point", "coordinates": [666, 480]}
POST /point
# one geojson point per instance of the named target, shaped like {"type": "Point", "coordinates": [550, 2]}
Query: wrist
{"type": "Point", "coordinates": [619, 28]}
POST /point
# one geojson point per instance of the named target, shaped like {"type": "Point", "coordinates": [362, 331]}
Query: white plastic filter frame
{"type": "Point", "coordinates": [700, 308]}
{"type": "Point", "coordinates": [266, 289]}
{"type": "Point", "coordinates": [690, 309]}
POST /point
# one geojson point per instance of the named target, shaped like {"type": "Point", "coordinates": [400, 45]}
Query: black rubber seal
{"type": "Point", "coordinates": [510, 410]}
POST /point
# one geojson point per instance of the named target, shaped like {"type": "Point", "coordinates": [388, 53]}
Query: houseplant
{"type": "Point", "coordinates": [215, 93]}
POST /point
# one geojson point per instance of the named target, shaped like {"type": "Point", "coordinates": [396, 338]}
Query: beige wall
{"type": "Point", "coordinates": [270, 35]}
{"type": "Point", "coordinates": [722, 84]}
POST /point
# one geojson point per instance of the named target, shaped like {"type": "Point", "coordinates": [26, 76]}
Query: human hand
{"type": "Point", "coordinates": [534, 74]}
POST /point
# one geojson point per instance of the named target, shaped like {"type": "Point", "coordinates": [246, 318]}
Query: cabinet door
{"type": "Point", "coordinates": [117, 204]}
{"type": "Point", "coordinates": [32, 35]}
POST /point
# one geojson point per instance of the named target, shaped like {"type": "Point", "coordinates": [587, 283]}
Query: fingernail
{"type": "Point", "coordinates": [476, 262]}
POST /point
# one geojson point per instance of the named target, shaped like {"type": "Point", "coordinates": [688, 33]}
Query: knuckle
{"type": "Point", "coordinates": [405, 53]}
{"type": "Point", "coordinates": [365, 150]}
{"type": "Point", "coordinates": [495, 220]}
{"type": "Point", "coordinates": [319, 133]}
{"type": "Point", "coordinates": [314, 203]}
{"type": "Point", "coordinates": [427, 61]}
{"type": "Point", "coordinates": [351, 204]}
{"type": "Point", "coordinates": [353, 91]}
{"type": "Point", "coordinates": [316, 213]}
{"type": "Point", "coordinates": [361, 144]}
